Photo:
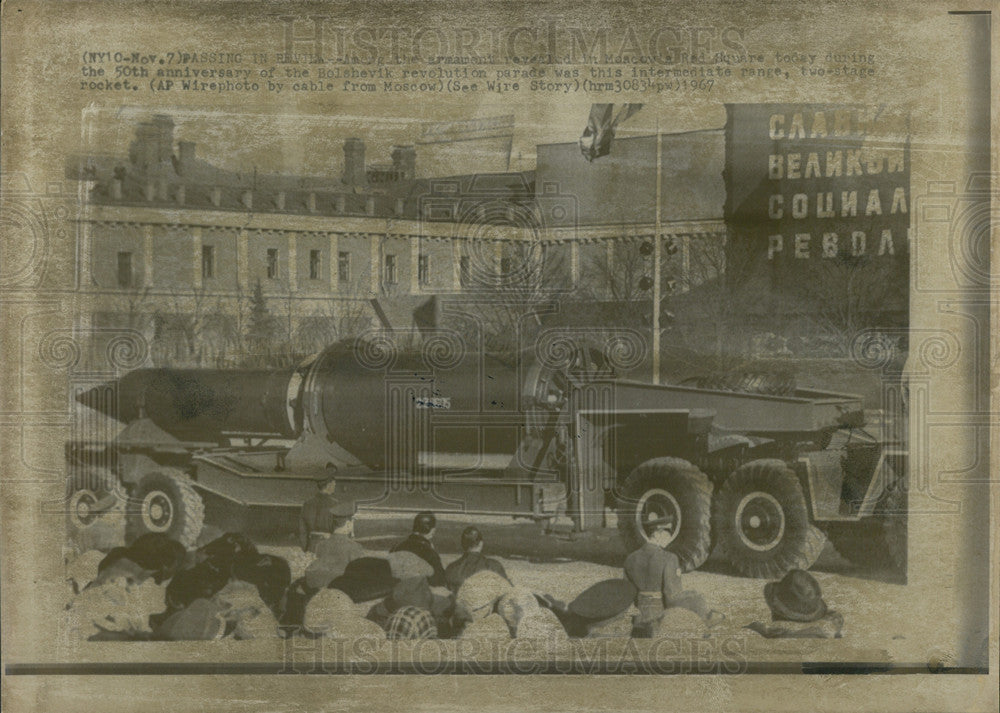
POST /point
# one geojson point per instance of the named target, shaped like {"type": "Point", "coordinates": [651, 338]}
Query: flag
{"type": "Point", "coordinates": [427, 316]}
{"type": "Point", "coordinates": [596, 139]}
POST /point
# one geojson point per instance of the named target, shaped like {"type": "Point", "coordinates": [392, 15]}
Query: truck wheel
{"type": "Point", "coordinates": [165, 501]}
{"type": "Point", "coordinates": [761, 522]}
{"type": "Point", "coordinates": [879, 541]}
{"type": "Point", "coordinates": [672, 488]}
{"type": "Point", "coordinates": [90, 491]}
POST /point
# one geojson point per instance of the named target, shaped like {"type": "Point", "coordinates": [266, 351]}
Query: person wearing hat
{"type": "Point", "coordinates": [798, 610]}
{"type": "Point", "coordinates": [331, 613]}
{"type": "Point", "coordinates": [656, 574]}
{"type": "Point", "coordinates": [471, 561]}
{"type": "Point", "coordinates": [515, 605]}
{"type": "Point", "coordinates": [602, 610]}
{"type": "Point", "coordinates": [477, 597]}
{"type": "Point", "coordinates": [316, 521]}
{"type": "Point", "coordinates": [366, 579]}
{"type": "Point", "coordinates": [413, 592]}
{"type": "Point", "coordinates": [336, 551]}
{"type": "Point", "coordinates": [156, 552]}
{"type": "Point", "coordinates": [420, 542]}
{"type": "Point", "coordinates": [411, 623]}
{"type": "Point", "coordinates": [119, 563]}
{"type": "Point", "coordinates": [270, 574]}
{"type": "Point", "coordinates": [118, 608]}
{"type": "Point", "coordinates": [245, 613]}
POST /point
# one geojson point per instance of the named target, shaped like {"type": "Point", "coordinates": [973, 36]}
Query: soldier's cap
{"type": "Point", "coordinates": [344, 508]}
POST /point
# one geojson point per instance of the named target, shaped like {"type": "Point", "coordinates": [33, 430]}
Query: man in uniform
{"type": "Point", "coordinates": [471, 561]}
{"type": "Point", "coordinates": [420, 543]}
{"type": "Point", "coordinates": [316, 519]}
{"type": "Point", "coordinates": [656, 574]}
{"type": "Point", "coordinates": [337, 550]}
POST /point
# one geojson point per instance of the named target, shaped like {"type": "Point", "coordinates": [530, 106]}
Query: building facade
{"type": "Point", "coordinates": [192, 255]}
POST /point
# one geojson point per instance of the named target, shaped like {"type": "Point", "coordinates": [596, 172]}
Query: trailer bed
{"type": "Point", "coordinates": [802, 411]}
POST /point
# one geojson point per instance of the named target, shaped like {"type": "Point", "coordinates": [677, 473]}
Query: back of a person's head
{"type": "Point", "coordinates": [471, 537]}
{"type": "Point", "coordinates": [424, 522]}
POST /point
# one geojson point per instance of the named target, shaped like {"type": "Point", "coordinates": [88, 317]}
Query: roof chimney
{"type": "Point", "coordinates": [185, 156]}
{"type": "Point", "coordinates": [404, 162]}
{"type": "Point", "coordinates": [165, 137]}
{"type": "Point", "coordinates": [354, 162]}
{"type": "Point", "coordinates": [144, 149]}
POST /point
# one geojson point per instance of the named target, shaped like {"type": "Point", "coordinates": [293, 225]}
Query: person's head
{"type": "Point", "coordinates": [327, 486]}
{"type": "Point", "coordinates": [424, 524]}
{"type": "Point", "coordinates": [660, 535]}
{"type": "Point", "coordinates": [472, 540]}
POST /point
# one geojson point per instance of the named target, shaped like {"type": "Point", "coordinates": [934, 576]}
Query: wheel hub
{"type": "Point", "coordinates": [760, 521]}
{"type": "Point", "coordinates": [82, 507]}
{"type": "Point", "coordinates": [157, 511]}
{"type": "Point", "coordinates": [658, 505]}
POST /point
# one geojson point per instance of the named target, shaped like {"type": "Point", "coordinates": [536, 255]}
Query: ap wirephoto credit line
{"type": "Point", "coordinates": [408, 345]}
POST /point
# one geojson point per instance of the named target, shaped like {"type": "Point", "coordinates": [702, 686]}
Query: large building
{"type": "Point", "coordinates": [175, 247]}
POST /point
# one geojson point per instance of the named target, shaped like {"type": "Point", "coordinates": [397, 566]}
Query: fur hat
{"type": "Point", "coordinates": [479, 593]}
{"type": "Point", "coordinates": [795, 597]}
{"type": "Point", "coordinates": [326, 610]}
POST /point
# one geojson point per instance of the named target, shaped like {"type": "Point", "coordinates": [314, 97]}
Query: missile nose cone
{"type": "Point", "coordinates": [102, 398]}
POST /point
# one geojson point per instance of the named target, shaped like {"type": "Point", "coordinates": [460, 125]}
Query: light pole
{"type": "Point", "coordinates": [656, 257]}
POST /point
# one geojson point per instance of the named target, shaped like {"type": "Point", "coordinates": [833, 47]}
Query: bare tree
{"type": "Point", "coordinates": [622, 285]}
{"type": "Point", "coordinates": [708, 290]}
{"type": "Point", "coordinates": [845, 295]}
{"type": "Point", "coordinates": [133, 307]}
{"type": "Point", "coordinates": [506, 300]}
{"type": "Point", "coordinates": [714, 286]}
{"type": "Point", "coordinates": [333, 321]}
{"type": "Point", "coordinates": [187, 325]}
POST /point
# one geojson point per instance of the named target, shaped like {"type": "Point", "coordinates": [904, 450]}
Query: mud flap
{"type": "Point", "coordinates": [590, 475]}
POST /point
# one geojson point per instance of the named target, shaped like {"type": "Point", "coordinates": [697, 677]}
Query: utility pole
{"type": "Point", "coordinates": [657, 248]}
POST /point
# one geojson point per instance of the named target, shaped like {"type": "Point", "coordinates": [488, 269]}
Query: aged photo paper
{"type": "Point", "coordinates": [498, 356]}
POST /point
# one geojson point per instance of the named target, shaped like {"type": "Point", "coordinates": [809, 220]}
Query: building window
{"type": "Point", "coordinates": [343, 267]}
{"type": "Point", "coordinates": [464, 275]}
{"type": "Point", "coordinates": [424, 269]}
{"type": "Point", "coordinates": [272, 263]}
{"type": "Point", "coordinates": [314, 264]}
{"type": "Point", "coordinates": [389, 275]}
{"type": "Point", "coordinates": [125, 276]}
{"type": "Point", "coordinates": [505, 267]}
{"type": "Point", "coordinates": [207, 261]}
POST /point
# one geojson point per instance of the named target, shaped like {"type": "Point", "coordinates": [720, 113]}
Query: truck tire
{"type": "Point", "coordinates": [879, 541]}
{"type": "Point", "coordinates": [668, 487]}
{"type": "Point", "coordinates": [90, 491]}
{"type": "Point", "coordinates": [761, 522]}
{"type": "Point", "coordinates": [165, 501]}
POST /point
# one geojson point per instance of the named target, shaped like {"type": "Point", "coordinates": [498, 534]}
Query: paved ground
{"type": "Point", "coordinates": [565, 563]}
{"type": "Point", "coordinates": [875, 609]}
{"type": "Point", "coordinates": [884, 620]}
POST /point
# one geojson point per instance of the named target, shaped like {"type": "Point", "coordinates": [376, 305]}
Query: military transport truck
{"type": "Point", "coordinates": [763, 478]}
